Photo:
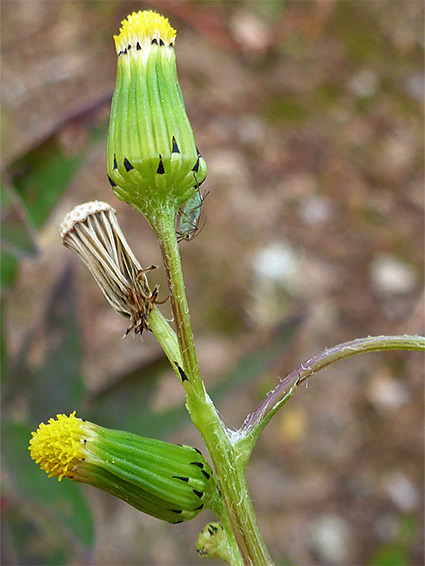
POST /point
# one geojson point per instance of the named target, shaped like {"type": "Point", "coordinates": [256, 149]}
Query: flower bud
{"type": "Point", "coordinates": [152, 158]}
{"type": "Point", "coordinates": [92, 231]}
{"type": "Point", "coordinates": [212, 543]}
{"type": "Point", "coordinates": [170, 482]}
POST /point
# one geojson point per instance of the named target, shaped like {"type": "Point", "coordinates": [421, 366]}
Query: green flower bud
{"type": "Point", "coordinates": [152, 158]}
{"type": "Point", "coordinates": [212, 543]}
{"type": "Point", "coordinates": [170, 482]}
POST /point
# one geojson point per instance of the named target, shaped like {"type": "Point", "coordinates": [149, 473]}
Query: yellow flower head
{"type": "Point", "coordinates": [153, 162]}
{"type": "Point", "coordinates": [144, 28]}
{"type": "Point", "coordinates": [168, 481]}
{"type": "Point", "coordinates": [59, 445]}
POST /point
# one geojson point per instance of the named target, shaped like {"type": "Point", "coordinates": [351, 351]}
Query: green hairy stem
{"type": "Point", "coordinates": [238, 516]}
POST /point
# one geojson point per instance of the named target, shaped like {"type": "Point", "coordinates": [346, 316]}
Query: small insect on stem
{"type": "Point", "coordinates": [189, 215]}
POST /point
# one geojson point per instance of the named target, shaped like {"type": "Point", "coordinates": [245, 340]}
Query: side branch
{"type": "Point", "coordinates": [280, 394]}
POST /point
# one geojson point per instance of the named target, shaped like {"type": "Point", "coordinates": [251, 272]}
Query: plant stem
{"type": "Point", "coordinates": [230, 472]}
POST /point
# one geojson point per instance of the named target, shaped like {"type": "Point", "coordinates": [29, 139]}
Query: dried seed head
{"type": "Point", "coordinates": [92, 231]}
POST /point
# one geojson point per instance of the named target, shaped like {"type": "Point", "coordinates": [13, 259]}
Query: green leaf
{"type": "Point", "coordinates": [26, 541]}
{"type": "Point", "coordinates": [43, 173]}
{"type": "Point", "coordinates": [58, 386]}
{"type": "Point", "coordinates": [61, 504]}
{"type": "Point", "coordinates": [391, 555]}
{"type": "Point", "coordinates": [18, 237]}
{"type": "Point", "coordinates": [41, 176]}
{"type": "Point", "coordinates": [396, 552]}
{"type": "Point", "coordinates": [9, 269]}
{"type": "Point", "coordinates": [4, 354]}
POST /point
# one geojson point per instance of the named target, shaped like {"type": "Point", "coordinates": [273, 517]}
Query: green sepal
{"type": "Point", "coordinates": [171, 482]}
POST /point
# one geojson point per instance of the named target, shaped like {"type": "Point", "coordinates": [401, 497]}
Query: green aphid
{"type": "Point", "coordinates": [190, 215]}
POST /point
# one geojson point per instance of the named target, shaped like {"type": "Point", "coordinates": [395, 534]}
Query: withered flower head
{"type": "Point", "coordinates": [92, 231]}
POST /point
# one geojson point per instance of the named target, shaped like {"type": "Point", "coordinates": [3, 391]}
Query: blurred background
{"type": "Point", "coordinates": [310, 117]}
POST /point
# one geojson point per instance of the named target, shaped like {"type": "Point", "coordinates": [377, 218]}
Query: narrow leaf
{"type": "Point", "coordinates": [41, 176]}
{"type": "Point", "coordinates": [18, 237]}
{"type": "Point", "coordinates": [58, 386]}
{"type": "Point", "coordinates": [44, 172]}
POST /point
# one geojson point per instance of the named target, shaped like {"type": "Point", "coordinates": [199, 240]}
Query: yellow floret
{"type": "Point", "coordinates": [58, 446]}
{"type": "Point", "coordinates": [142, 28]}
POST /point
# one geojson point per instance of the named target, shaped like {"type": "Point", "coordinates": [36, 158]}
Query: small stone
{"type": "Point", "coordinates": [329, 539]}
{"type": "Point", "coordinates": [277, 262]}
{"type": "Point", "coordinates": [315, 210]}
{"type": "Point", "coordinates": [402, 491]}
{"type": "Point", "coordinates": [364, 83]}
{"type": "Point", "coordinates": [387, 393]}
{"type": "Point", "coordinates": [415, 86]}
{"type": "Point", "coordinates": [391, 275]}
{"type": "Point", "coordinates": [251, 32]}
